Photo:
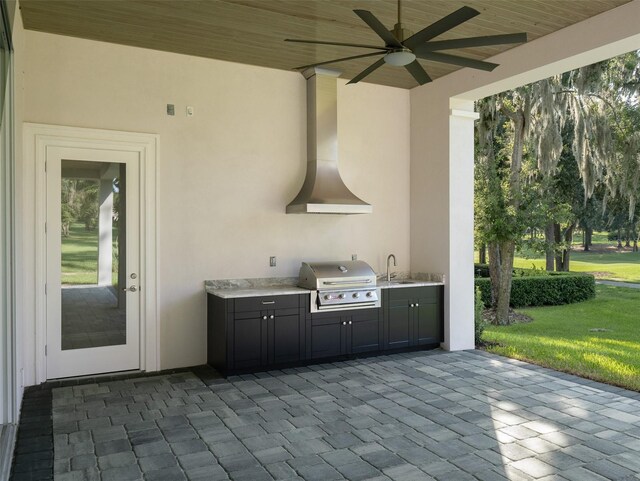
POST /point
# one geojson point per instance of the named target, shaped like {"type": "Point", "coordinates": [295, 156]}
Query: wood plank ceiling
{"type": "Point", "coordinates": [252, 31]}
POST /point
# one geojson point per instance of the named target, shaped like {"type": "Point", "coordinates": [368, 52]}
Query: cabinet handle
{"type": "Point", "coordinates": [350, 322]}
{"type": "Point", "coordinates": [344, 323]}
{"type": "Point", "coordinates": [264, 318]}
{"type": "Point", "coordinates": [411, 305]}
{"type": "Point", "coordinates": [271, 316]}
{"type": "Point", "coordinates": [264, 303]}
{"type": "Point", "coordinates": [417, 305]}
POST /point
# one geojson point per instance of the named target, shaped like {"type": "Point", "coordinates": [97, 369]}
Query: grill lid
{"type": "Point", "coordinates": [331, 275]}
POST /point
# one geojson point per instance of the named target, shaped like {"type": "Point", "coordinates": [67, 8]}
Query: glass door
{"type": "Point", "coordinates": [92, 264]}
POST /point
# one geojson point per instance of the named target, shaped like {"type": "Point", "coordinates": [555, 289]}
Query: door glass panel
{"type": "Point", "coordinates": [93, 254]}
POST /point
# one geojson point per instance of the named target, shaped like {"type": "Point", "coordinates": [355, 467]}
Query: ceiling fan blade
{"type": "Point", "coordinates": [415, 69]}
{"type": "Point", "coordinates": [474, 42]}
{"type": "Point", "coordinates": [340, 44]}
{"type": "Point", "coordinates": [447, 23]}
{"type": "Point", "coordinates": [366, 71]}
{"type": "Point", "coordinates": [339, 60]}
{"type": "Point", "coordinates": [378, 27]}
{"type": "Point", "coordinates": [455, 60]}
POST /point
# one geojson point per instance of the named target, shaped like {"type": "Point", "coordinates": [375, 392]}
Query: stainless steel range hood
{"type": "Point", "coordinates": [323, 191]}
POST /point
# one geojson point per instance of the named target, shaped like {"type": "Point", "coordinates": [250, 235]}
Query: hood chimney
{"type": "Point", "coordinates": [323, 191]}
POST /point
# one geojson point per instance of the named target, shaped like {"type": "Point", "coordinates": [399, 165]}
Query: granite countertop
{"type": "Point", "coordinates": [232, 292]}
{"type": "Point", "coordinates": [278, 286]}
{"type": "Point", "coordinates": [393, 284]}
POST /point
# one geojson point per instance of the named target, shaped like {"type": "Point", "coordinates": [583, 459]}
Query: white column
{"type": "Point", "coordinates": [459, 294]}
{"type": "Point", "coordinates": [105, 236]}
{"type": "Point", "coordinates": [442, 205]}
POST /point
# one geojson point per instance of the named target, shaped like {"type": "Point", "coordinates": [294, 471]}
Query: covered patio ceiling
{"type": "Point", "coordinates": [252, 31]}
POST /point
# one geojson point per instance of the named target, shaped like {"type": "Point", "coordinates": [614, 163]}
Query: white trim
{"type": "Point", "coordinates": [8, 388]}
{"type": "Point", "coordinates": [38, 138]}
{"type": "Point", "coordinates": [465, 113]}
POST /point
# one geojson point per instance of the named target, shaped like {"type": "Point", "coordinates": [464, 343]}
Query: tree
{"type": "Point", "coordinates": [521, 138]}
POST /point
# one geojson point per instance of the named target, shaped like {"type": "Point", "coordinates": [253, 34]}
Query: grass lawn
{"type": "Point", "coordinates": [560, 337]}
{"type": "Point", "coordinates": [80, 256]}
{"type": "Point", "coordinates": [618, 266]}
{"type": "Point", "coordinates": [604, 261]}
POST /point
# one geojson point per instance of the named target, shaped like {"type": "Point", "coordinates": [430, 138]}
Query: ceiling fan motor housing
{"type": "Point", "coordinates": [400, 32]}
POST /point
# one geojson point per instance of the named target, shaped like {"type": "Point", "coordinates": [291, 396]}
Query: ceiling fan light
{"type": "Point", "coordinates": [399, 58]}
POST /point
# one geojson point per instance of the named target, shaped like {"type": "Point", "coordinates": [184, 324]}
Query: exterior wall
{"type": "Point", "coordinates": [227, 173]}
{"type": "Point", "coordinates": [441, 172]}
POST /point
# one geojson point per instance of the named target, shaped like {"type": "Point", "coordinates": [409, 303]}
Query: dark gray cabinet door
{"type": "Point", "coordinates": [328, 337]}
{"type": "Point", "coordinates": [427, 323]}
{"type": "Point", "coordinates": [249, 336]}
{"type": "Point", "coordinates": [399, 324]}
{"type": "Point", "coordinates": [284, 338]}
{"type": "Point", "coordinates": [364, 332]}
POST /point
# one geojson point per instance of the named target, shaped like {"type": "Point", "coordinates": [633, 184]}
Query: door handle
{"type": "Point", "coordinates": [132, 289]}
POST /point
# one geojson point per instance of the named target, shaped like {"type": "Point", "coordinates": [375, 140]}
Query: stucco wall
{"type": "Point", "coordinates": [226, 174]}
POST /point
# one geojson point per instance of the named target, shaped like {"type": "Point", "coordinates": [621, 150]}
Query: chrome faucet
{"type": "Point", "coordinates": [394, 264]}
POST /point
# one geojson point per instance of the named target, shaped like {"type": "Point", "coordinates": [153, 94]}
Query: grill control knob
{"type": "Point", "coordinates": [327, 297]}
{"type": "Point", "coordinates": [369, 294]}
{"type": "Point", "coordinates": [341, 296]}
{"type": "Point", "coordinates": [356, 295]}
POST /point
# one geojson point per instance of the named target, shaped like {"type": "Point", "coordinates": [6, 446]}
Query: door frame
{"type": "Point", "coordinates": [38, 139]}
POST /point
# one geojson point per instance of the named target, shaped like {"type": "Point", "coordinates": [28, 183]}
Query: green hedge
{"type": "Point", "coordinates": [547, 290]}
{"type": "Point", "coordinates": [481, 270]}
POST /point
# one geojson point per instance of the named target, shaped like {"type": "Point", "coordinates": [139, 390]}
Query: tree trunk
{"type": "Point", "coordinates": [507, 250]}
{"type": "Point", "coordinates": [588, 233]}
{"type": "Point", "coordinates": [566, 253]}
{"type": "Point", "coordinates": [619, 238]}
{"type": "Point", "coordinates": [494, 270]}
{"type": "Point", "coordinates": [563, 256]}
{"type": "Point", "coordinates": [549, 239]}
{"type": "Point", "coordinates": [628, 238]}
{"type": "Point", "coordinates": [557, 235]}
{"type": "Point", "coordinates": [501, 270]}
{"type": "Point", "coordinates": [482, 254]}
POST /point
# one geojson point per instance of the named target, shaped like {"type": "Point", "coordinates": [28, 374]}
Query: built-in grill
{"type": "Point", "coordinates": [340, 285]}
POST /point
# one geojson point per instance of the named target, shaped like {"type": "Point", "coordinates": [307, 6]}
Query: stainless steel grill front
{"type": "Point", "coordinates": [340, 285]}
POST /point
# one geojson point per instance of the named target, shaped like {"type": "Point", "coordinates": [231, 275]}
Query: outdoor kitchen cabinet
{"type": "Point", "coordinates": [255, 332]}
{"type": "Point", "coordinates": [332, 334]}
{"type": "Point", "coordinates": [413, 316]}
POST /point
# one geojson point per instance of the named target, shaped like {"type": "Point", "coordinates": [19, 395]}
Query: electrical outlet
{"type": "Point", "coordinates": [354, 257]}
{"type": "Point", "coordinates": [189, 111]}
{"type": "Point", "coordinates": [272, 261]}
{"type": "Point", "coordinates": [171, 109]}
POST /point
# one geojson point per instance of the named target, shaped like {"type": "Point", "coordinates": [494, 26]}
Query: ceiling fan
{"type": "Point", "coordinates": [402, 48]}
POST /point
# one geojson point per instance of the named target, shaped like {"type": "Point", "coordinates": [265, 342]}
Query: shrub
{"type": "Point", "coordinates": [547, 290]}
{"type": "Point", "coordinates": [481, 270]}
{"type": "Point", "coordinates": [480, 323]}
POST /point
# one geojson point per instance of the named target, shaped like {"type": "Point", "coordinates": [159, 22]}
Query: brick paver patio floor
{"type": "Point", "coordinates": [414, 416]}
